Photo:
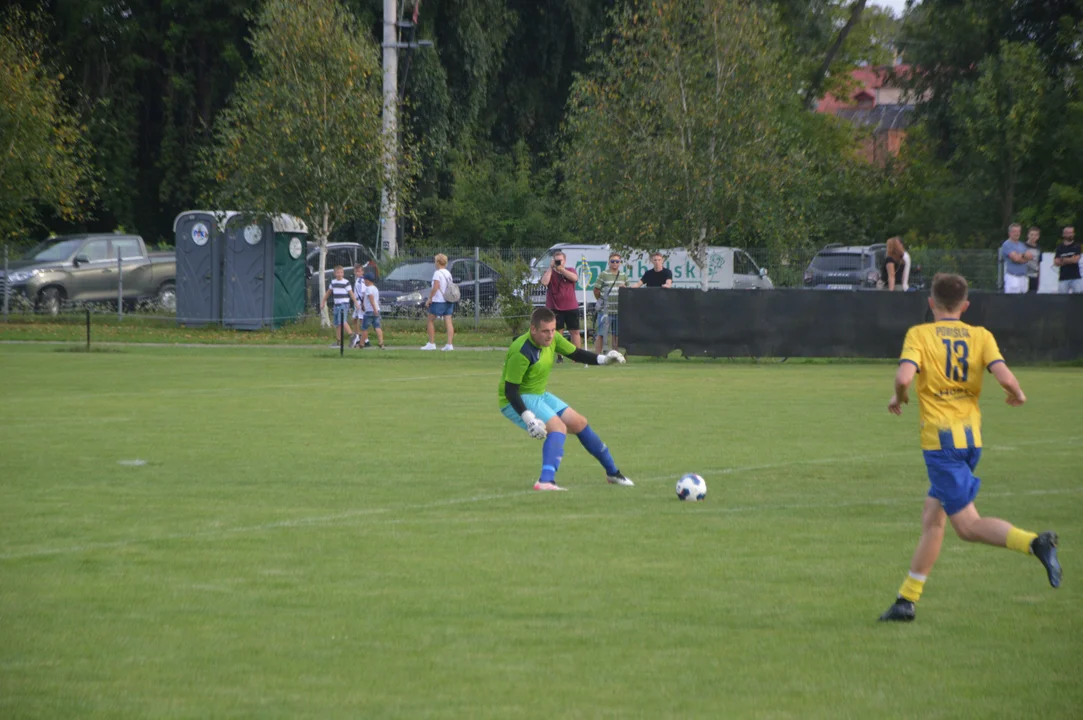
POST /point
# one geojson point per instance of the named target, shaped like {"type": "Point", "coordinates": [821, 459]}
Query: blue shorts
{"type": "Point", "coordinates": [342, 314]}
{"type": "Point", "coordinates": [607, 325]}
{"type": "Point", "coordinates": [440, 309]}
{"type": "Point", "coordinates": [951, 477]}
{"type": "Point", "coordinates": [372, 320]}
{"type": "Point", "coordinates": [544, 407]}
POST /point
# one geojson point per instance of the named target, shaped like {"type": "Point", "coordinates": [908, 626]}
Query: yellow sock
{"type": "Point", "coordinates": [912, 587]}
{"type": "Point", "coordinates": [1020, 540]}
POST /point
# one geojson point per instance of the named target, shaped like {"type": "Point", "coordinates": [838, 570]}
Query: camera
{"type": "Point", "coordinates": [557, 262]}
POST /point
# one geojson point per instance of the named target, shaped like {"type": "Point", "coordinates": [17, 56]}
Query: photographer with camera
{"type": "Point", "coordinates": [559, 281]}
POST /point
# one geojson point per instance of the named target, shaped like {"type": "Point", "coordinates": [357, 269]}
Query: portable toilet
{"type": "Point", "coordinates": [199, 241]}
{"type": "Point", "coordinates": [290, 242]}
{"type": "Point", "coordinates": [263, 257]}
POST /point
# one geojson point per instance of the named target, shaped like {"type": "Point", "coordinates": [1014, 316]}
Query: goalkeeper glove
{"type": "Point", "coordinates": [534, 426]}
{"type": "Point", "coordinates": [611, 357]}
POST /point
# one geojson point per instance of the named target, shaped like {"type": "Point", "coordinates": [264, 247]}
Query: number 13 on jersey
{"type": "Point", "coordinates": [957, 363]}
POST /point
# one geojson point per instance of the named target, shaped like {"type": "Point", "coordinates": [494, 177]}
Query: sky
{"type": "Point", "coordinates": [896, 6]}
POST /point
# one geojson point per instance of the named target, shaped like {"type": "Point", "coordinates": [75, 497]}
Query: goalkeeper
{"type": "Point", "coordinates": [525, 401]}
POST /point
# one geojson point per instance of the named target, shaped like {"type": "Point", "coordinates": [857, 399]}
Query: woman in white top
{"type": "Point", "coordinates": [437, 306]}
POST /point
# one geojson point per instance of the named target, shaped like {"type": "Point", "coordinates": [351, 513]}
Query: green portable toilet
{"type": "Point", "coordinates": [290, 241]}
{"type": "Point", "coordinates": [263, 271]}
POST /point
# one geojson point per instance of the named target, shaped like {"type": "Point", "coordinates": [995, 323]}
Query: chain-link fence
{"type": "Point", "coordinates": [499, 286]}
{"type": "Point", "coordinates": [981, 268]}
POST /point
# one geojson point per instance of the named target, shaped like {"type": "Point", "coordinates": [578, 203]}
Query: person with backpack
{"type": "Point", "coordinates": [439, 304]}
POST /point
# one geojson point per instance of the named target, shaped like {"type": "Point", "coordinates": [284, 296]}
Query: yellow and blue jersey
{"type": "Point", "coordinates": [950, 357]}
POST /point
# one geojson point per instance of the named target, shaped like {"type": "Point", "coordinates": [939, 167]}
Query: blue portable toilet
{"type": "Point", "coordinates": [199, 241]}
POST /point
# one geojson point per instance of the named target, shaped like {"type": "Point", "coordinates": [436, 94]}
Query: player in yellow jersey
{"type": "Point", "coordinates": [949, 357]}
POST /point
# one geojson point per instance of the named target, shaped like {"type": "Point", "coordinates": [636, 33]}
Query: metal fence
{"type": "Point", "coordinates": [981, 268]}
{"type": "Point", "coordinates": [501, 282]}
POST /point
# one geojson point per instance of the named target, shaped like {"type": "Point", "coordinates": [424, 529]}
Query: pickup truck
{"type": "Point", "coordinates": [83, 268]}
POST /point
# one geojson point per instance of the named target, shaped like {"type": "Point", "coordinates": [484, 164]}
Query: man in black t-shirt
{"type": "Point", "coordinates": [1066, 258]}
{"type": "Point", "coordinates": [657, 276]}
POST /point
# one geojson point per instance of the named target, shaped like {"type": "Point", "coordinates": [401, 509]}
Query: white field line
{"type": "Point", "coordinates": [152, 392]}
{"type": "Point", "coordinates": [326, 520]}
{"type": "Point", "coordinates": [216, 533]}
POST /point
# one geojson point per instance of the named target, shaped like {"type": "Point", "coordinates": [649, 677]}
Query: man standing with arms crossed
{"type": "Point", "coordinates": [1015, 255]}
{"type": "Point", "coordinates": [1067, 259]}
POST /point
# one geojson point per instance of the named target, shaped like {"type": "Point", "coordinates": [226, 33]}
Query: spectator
{"type": "Point", "coordinates": [1034, 258]}
{"type": "Point", "coordinates": [559, 281]}
{"type": "Point", "coordinates": [657, 276]}
{"type": "Point", "coordinates": [605, 295]}
{"type": "Point", "coordinates": [370, 302]}
{"type": "Point", "coordinates": [359, 312]}
{"type": "Point", "coordinates": [1067, 259]}
{"type": "Point", "coordinates": [343, 294]}
{"type": "Point", "coordinates": [438, 306]}
{"type": "Point", "coordinates": [1014, 254]}
{"type": "Point", "coordinates": [895, 272]}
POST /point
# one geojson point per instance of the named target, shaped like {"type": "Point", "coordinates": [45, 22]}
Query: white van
{"type": "Point", "coordinates": [727, 269]}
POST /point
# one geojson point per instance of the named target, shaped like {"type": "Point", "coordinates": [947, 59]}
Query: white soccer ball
{"type": "Point", "coordinates": [691, 487]}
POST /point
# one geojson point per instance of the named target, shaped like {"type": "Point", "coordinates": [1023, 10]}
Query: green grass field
{"type": "Point", "coordinates": [315, 536]}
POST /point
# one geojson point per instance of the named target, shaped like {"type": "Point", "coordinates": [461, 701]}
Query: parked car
{"type": "Point", "coordinates": [846, 267]}
{"type": "Point", "coordinates": [83, 268]}
{"type": "Point", "coordinates": [345, 254]}
{"type": "Point", "coordinates": [406, 288]}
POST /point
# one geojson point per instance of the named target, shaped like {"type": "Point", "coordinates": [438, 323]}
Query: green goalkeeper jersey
{"type": "Point", "coordinates": [528, 365]}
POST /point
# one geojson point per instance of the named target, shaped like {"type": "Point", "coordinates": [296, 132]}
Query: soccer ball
{"type": "Point", "coordinates": [691, 487]}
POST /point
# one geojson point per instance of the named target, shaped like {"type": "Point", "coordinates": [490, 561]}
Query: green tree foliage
{"type": "Point", "coordinates": [1000, 115]}
{"type": "Point", "coordinates": [683, 134]}
{"type": "Point", "coordinates": [45, 161]}
{"type": "Point", "coordinates": [148, 78]}
{"type": "Point", "coordinates": [498, 199]}
{"type": "Point", "coordinates": [1000, 118]}
{"type": "Point", "coordinates": [302, 134]}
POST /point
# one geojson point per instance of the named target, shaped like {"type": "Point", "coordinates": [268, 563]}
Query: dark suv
{"type": "Point", "coordinates": [846, 267]}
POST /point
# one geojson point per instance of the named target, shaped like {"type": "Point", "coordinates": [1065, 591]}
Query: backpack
{"type": "Point", "coordinates": [451, 292]}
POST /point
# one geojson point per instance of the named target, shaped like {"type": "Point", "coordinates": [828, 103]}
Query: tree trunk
{"type": "Point", "coordinates": [322, 231]}
{"type": "Point", "coordinates": [1007, 196]}
{"type": "Point", "coordinates": [698, 253]}
{"type": "Point", "coordinates": [816, 82]}
{"type": "Point", "coordinates": [325, 319]}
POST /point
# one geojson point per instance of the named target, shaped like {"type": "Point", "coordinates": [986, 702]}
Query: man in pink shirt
{"type": "Point", "coordinates": [559, 281]}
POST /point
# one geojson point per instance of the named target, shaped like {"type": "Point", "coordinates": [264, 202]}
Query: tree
{"type": "Point", "coordinates": [302, 134]}
{"type": "Point", "coordinates": [498, 200]}
{"type": "Point", "coordinates": [45, 161]}
{"type": "Point", "coordinates": [1001, 117]}
{"type": "Point", "coordinates": [682, 133]}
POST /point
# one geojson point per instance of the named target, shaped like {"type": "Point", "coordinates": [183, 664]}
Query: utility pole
{"type": "Point", "coordinates": [389, 230]}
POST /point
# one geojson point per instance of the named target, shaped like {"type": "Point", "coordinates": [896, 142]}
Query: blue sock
{"type": "Point", "coordinates": [598, 449]}
{"type": "Point", "coordinates": [552, 454]}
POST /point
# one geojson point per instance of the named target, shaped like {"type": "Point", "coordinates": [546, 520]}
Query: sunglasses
{"type": "Point", "coordinates": [614, 262]}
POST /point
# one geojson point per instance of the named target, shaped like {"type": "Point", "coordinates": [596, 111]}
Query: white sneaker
{"type": "Point", "coordinates": [619, 479]}
{"type": "Point", "coordinates": [447, 347]}
{"type": "Point", "coordinates": [428, 346]}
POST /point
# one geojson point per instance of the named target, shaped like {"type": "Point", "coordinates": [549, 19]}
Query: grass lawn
{"type": "Point", "coordinates": [315, 536]}
{"type": "Point", "coordinates": [147, 329]}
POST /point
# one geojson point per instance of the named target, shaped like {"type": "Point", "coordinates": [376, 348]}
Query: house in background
{"type": "Point", "coordinates": [876, 101]}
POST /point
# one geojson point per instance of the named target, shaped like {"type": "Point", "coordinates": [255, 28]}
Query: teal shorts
{"type": "Point", "coordinates": [544, 407]}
